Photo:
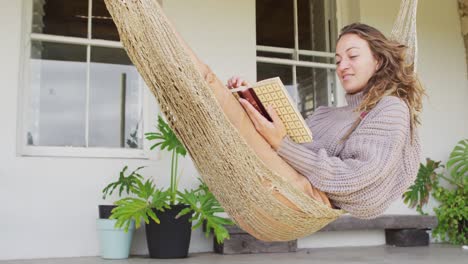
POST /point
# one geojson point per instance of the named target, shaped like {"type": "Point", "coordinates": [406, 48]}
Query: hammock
{"type": "Point", "coordinates": [261, 192]}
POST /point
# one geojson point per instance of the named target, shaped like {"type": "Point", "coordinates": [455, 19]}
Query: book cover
{"type": "Point", "coordinates": [272, 92]}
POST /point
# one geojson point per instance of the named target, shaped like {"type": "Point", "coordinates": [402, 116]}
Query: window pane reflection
{"type": "Point", "coordinates": [114, 118]}
{"type": "Point", "coordinates": [315, 86]}
{"type": "Point", "coordinates": [274, 55]}
{"type": "Point", "coordinates": [58, 95]}
{"type": "Point", "coordinates": [312, 25]}
{"type": "Point", "coordinates": [268, 70]}
{"type": "Point", "coordinates": [59, 17]}
{"type": "Point", "coordinates": [103, 25]}
{"type": "Point", "coordinates": [275, 23]}
{"type": "Point", "coordinates": [320, 59]}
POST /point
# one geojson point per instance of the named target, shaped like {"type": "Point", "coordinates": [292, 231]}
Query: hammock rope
{"type": "Point", "coordinates": [261, 192]}
{"type": "Point", "coordinates": [404, 30]}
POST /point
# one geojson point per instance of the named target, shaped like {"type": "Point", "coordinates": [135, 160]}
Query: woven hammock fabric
{"type": "Point", "coordinates": [404, 30]}
{"type": "Point", "coordinates": [260, 191]}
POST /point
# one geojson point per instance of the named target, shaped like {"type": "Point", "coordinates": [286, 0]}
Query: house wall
{"type": "Point", "coordinates": [50, 204]}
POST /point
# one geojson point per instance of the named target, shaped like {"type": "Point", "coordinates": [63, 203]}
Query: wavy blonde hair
{"type": "Point", "coordinates": [393, 77]}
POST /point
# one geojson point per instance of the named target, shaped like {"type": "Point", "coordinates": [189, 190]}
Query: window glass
{"type": "Point", "coordinates": [103, 26]}
{"type": "Point", "coordinates": [115, 103]}
{"type": "Point", "coordinates": [269, 70]}
{"type": "Point", "coordinates": [274, 23]}
{"type": "Point", "coordinates": [320, 59]}
{"type": "Point", "coordinates": [284, 72]}
{"type": "Point", "coordinates": [314, 85]}
{"type": "Point", "coordinates": [274, 55]}
{"type": "Point", "coordinates": [57, 107]}
{"type": "Point", "coordinates": [61, 17]}
{"type": "Point", "coordinates": [312, 26]}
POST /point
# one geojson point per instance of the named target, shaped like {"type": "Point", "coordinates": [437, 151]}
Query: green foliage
{"type": "Point", "coordinates": [452, 213]}
{"type": "Point", "coordinates": [149, 200]}
{"type": "Point", "coordinates": [417, 195]}
{"type": "Point", "coordinates": [458, 163]}
{"type": "Point", "coordinates": [166, 139]}
{"type": "Point", "coordinates": [124, 183]}
{"type": "Point", "coordinates": [141, 207]}
{"type": "Point", "coordinates": [204, 206]}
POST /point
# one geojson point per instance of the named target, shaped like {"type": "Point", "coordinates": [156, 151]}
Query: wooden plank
{"type": "Point", "coordinates": [382, 222]}
{"type": "Point", "coordinates": [243, 243]}
{"type": "Point", "coordinates": [347, 222]}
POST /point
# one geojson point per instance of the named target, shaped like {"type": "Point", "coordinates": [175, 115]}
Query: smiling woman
{"type": "Point", "coordinates": [355, 63]}
{"type": "Point", "coordinates": [366, 154]}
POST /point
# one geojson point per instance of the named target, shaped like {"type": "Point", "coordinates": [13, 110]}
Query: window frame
{"type": "Point", "coordinates": [296, 52]}
{"type": "Point", "coordinates": [24, 96]}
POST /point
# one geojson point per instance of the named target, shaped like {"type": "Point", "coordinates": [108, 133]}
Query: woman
{"type": "Point", "coordinates": [366, 154]}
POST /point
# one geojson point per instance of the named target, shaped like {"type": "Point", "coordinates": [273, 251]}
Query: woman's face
{"type": "Point", "coordinates": [355, 63]}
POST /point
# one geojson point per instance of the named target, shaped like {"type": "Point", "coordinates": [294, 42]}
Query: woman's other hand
{"type": "Point", "coordinates": [273, 132]}
{"type": "Point", "coordinates": [236, 81]}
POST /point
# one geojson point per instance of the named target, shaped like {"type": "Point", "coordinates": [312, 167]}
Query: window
{"type": "Point", "coordinates": [82, 89]}
{"type": "Point", "coordinates": [295, 41]}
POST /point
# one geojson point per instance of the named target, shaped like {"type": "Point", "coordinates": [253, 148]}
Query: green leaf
{"type": "Point", "coordinates": [166, 138]}
{"type": "Point", "coordinates": [417, 195]}
{"type": "Point", "coordinates": [153, 216]}
{"type": "Point", "coordinates": [458, 162]}
{"type": "Point", "coordinates": [140, 208]}
{"type": "Point", "coordinates": [124, 183]}
{"type": "Point", "coordinates": [184, 211]}
{"type": "Point", "coordinates": [128, 209]}
{"type": "Point", "coordinates": [205, 206]}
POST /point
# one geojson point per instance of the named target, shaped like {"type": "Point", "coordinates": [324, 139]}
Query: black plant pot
{"type": "Point", "coordinates": [105, 211]}
{"type": "Point", "coordinates": [170, 238]}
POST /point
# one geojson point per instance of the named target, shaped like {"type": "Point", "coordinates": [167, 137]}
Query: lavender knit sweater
{"type": "Point", "coordinates": [367, 172]}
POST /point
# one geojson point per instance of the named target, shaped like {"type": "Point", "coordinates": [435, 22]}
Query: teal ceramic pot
{"type": "Point", "coordinates": [115, 242]}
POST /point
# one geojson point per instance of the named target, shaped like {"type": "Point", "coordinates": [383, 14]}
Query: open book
{"type": "Point", "coordinates": [272, 92]}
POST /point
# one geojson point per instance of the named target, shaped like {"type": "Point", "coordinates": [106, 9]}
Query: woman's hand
{"type": "Point", "coordinates": [236, 81]}
{"type": "Point", "coordinates": [273, 132]}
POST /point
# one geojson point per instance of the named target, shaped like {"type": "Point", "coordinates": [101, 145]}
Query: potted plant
{"type": "Point", "coordinates": [169, 213]}
{"type": "Point", "coordinates": [452, 195]}
{"type": "Point", "coordinates": [115, 241]}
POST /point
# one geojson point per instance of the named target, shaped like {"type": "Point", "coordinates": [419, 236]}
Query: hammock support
{"type": "Point", "coordinates": [261, 192]}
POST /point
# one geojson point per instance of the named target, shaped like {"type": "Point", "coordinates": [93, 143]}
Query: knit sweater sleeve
{"type": "Point", "coordinates": [372, 153]}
